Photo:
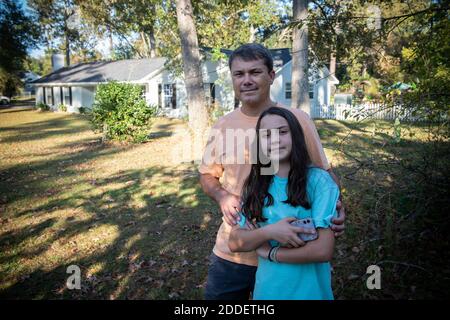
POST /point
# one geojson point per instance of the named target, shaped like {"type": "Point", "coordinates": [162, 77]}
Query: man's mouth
{"type": "Point", "coordinates": [251, 90]}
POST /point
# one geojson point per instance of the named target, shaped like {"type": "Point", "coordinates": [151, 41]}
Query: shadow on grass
{"type": "Point", "coordinates": [167, 258]}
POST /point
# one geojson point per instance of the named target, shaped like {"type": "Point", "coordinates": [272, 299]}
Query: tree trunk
{"type": "Point", "coordinates": [66, 33]}
{"type": "Point", "coordinates": [337, 30]}
{"type": "Point", "coordinates": [300, 83]}
{"type": "Point", "coordinates": [67, 51]}
{"type": "Point", "coordinates": [151, 35]}
{"type": "Point", "coordinates": [111, 43]}
{"type": "Point", "coordinates": [67, 42]}
{"type": "Point", "coordinates": [252, 37]}
{"type": "Point", "coordinates": [152, 43]}
{"type": "Point", "coordinates": [198, 116]}
{"type": "Point", "coordinates": [145, 49]}
{"type": "Point", "coordinates": [333, 62]}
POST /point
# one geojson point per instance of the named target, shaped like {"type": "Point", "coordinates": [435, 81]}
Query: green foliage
{"type": "Point", "coordinates": [397, 130]}
{"type": "Point", "coordinates": [18, 33]}
{"type": "Point", "coordinates": [62, 108]}
{"type": "Point", "coordinates": [84, 110]}
{"type": "Point", "coordinates": [121, 113]}
{"type": "Point", "coordinates": [42, 107]}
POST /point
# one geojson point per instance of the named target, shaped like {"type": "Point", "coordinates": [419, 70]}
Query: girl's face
{"type": "Point", "coordinates": [277, 149]}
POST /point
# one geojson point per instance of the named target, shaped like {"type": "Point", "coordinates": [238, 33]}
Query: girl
{"type": "Point", "coordinates": [271, 202]}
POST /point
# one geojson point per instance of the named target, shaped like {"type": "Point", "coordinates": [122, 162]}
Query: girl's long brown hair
{"type": "Point", "coordinates": [255, 193]}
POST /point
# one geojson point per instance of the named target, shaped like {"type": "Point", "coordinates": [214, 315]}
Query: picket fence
{"type": "Point", "coordinates": [361, 112]}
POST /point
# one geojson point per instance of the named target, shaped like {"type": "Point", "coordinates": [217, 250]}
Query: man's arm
{"type": "Point", "coordinates": [335, 178]}
{"type": "Point", "coordinates": [229, 203]}
{"type": "Point", "coordinates": [338, 225]}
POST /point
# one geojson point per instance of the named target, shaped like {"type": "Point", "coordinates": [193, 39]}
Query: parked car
{"type": "Point", "coordinates": [4, 100]}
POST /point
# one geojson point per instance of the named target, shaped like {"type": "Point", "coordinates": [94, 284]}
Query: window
{"type": "Point", "coordinates": [67, 93]}
{"type": "Point", "coordinates": [170, 96]}
{"type": "Point", "coordinates": [311, 90]}
{"type": "Point", "coordinates": [49, 97]}
{"type": "Point", "coordinates": [159, 95]}
{"type": "Point", "coordinates": [210, 93]}
{"type": "Point", "coordinates": [144, 91]}
{"type": "Point", "coordinates": [288, 90]}
{"type": "Point", "coordinates": [67, 96]}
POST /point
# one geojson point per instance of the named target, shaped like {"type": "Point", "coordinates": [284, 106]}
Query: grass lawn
{"type": "Point", "coordinates": [138, 225]}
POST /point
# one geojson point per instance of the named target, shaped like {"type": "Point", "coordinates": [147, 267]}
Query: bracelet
{"type": "Point", "coordinates": [270, 253]}
{"type": "Point", "coordinates": [274, 254]}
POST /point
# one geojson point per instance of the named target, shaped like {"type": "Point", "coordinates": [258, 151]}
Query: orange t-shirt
{"type": "Point", "coordinates": [222, 163]}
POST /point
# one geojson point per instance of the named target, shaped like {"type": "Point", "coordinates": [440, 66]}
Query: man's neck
{"type": "Point", "coordinates": [254, 110]}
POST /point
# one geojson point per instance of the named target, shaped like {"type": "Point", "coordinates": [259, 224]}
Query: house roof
{"type": "Point", "coordinates": [137, 69]}
{"type": "Point", "coordinates": [103, 71]}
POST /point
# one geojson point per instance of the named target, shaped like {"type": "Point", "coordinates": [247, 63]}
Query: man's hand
{"type": "Point", "coordinates": [229, 206]}
{"type": "Point", "coordinates": [338, 225]}
{"type": "Point", "coordinates": [286, 234]}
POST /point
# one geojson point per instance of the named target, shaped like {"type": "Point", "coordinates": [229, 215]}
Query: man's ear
{"type": "Point", "coordinates": [272, 76]}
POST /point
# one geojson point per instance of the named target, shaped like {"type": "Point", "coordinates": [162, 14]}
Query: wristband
{"type": "Point", "coordinates": [270, 253]}
{"type": "Point", "coordinates": [274, 254]}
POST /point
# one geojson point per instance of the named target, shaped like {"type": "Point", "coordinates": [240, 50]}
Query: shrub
{"type": "Point", "coordinates": [42, 107]}
{"type": "Point", "coordinates": [121, 113]}
{"type": "Point", "coordinates": [83, 110]}
{"type": "Point", "coordinates": [62, 108]}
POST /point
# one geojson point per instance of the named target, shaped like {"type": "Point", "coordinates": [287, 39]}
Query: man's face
{"type": "Point", "coordinates": [251, 81]}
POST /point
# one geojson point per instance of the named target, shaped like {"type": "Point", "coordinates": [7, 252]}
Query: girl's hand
{"type": "Point", "coordinates": [263, 250]}
{"type": "Point", "coordinates": [286, 234]}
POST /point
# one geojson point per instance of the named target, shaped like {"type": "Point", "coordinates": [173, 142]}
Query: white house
{"type": "Point", "coordinates": [75, 85]}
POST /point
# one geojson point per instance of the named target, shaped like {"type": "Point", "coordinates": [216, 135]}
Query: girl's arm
{"type": "Point", "coordinates": [250, 237]}
{"type": "Point", "coordinates": [320, 250]}
{"type": "Point", "coordinates": [246, 239]}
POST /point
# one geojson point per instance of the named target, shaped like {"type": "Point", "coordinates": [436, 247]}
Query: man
{"type": "Point", "coordinates": [231, 275]}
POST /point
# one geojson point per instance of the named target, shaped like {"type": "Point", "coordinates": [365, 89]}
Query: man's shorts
{"type": "Point", "coordinates": [228, 280]}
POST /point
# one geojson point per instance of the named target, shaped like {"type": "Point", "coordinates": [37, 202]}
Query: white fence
{"type": "Point", "coordinates": [360, 112]}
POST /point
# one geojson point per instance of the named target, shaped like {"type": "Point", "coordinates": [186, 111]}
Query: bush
{"type": "Point", "coordinates": [62, 108]}
{"type": "Point", "coordinates": [121, 113]}
{"type": "Point", "coordinates": [42, 107]}
{"type": "Point", "coordinates": [83, 110]}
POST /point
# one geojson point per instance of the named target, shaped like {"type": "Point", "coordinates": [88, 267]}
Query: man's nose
{"type": "Point", "coordinates": [248, 79]}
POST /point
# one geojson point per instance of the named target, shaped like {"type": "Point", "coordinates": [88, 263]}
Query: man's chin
{"type": "Point", "coordinates": [248, 99]}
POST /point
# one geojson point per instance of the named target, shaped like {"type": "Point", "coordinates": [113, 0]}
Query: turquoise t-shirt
{"type": "Point", "coordinates": [287, 281]}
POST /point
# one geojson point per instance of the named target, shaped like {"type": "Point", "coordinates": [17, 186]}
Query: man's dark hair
{"type": "Point", "coordinates": [252, 51]}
